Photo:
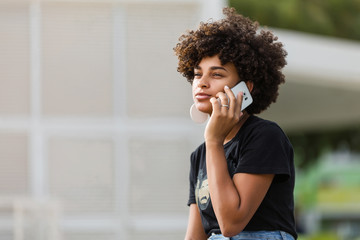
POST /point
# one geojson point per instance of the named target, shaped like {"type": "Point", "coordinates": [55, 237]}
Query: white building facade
{"type": "Point", "coordinates": [95, 137]}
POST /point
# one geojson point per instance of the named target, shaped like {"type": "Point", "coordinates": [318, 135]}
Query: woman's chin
{"type": "Point", "coordinates": [204, 109]}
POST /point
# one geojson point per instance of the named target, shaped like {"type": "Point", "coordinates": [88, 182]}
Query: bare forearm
{"type": "Point", "coordinates": [224, 195]}
{"type": "Point", "coordinates": [195, 230]}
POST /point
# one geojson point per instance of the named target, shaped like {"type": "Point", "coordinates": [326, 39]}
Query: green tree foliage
{"type": "Point", "coordinates": [309, 146]}
{"type": "Point", "coordinates": [338, 18]}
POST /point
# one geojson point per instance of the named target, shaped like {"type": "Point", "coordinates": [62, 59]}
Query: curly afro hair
{"type": "Point", "coordinates": [256, 55]}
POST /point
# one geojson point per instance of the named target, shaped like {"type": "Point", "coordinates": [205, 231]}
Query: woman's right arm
{"type": "Point", "coordinates": [195, 230]}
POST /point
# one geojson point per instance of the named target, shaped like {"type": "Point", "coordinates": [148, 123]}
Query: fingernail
{"type": "Point", "coordinates": [226, 87]}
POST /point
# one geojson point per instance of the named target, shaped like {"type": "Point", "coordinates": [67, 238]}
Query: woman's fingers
{"type": "Point", "coordinates": [228, 104]}
{"type": "Point", "coordinates": [223, 102]}
{"type": "Point", "coordinates": [215, 104]}
{"type": "Point", "coordinates": [239, 100]}
{"type": "Point", "coordinates": [231, 98]}
{"type": "Point", "coordinates": [235, 102]}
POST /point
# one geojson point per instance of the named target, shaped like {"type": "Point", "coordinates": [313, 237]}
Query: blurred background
{"type": "Point", "coordinates": [95, 136]}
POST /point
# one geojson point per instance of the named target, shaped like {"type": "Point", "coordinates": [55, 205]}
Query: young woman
{"type": "Point", "coordinates": [242, 176]}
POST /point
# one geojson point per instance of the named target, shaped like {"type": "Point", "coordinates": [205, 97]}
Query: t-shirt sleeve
{"type": "Point", "coordinates": [266, 150]}
{"type": "Point", "coordinates": [192, 180]}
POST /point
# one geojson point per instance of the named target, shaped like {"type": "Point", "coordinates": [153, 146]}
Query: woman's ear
{"type": "Point", "coordinates": [250, 85]}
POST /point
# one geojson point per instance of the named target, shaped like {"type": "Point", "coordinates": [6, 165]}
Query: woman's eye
{"type": "Point", "coordinates": [217, 75]}
{"type": "Point", "coordinates": [197, 75]}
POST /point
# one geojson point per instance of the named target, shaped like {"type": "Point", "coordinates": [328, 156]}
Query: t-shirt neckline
{"type": "Point", "coordinates": [250, 118]}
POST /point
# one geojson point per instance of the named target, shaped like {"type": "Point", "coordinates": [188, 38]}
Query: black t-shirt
{"type": "Point", "coordinates": [260, 147]}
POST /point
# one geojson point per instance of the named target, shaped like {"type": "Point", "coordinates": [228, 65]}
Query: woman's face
{"type": "Point", "coordinates": [210, 77]}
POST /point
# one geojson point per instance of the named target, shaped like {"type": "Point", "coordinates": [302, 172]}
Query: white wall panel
{"type": "Point", "coordinates": [14, 60]}
{"type": "Point", "coordinates": [81, 174]}
{"type": "Point", "coordinates": [159, 169]}
{"type": "Point", "coordinates": [155, 88]}
{"type": "Point", "coordinates": [13, 164]}
{"type": "Point", "coordinates": [77, 59]}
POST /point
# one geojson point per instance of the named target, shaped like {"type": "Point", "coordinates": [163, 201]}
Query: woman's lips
{"type": "Point", "coordinates": [202, 96]}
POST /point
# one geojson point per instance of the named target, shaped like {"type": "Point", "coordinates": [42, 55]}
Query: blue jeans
{"type": "Point", "coordinates": [252, 235]}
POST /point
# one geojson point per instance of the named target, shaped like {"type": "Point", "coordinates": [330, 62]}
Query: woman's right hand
{"type": "Point", "coordinates": [224, 117]}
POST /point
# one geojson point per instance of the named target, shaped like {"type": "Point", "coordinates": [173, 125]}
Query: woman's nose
{"type": "Point", "coordinates": [203, 83]}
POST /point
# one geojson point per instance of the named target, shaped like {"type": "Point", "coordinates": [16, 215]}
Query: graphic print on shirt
{"type": "Point", "coordinates": [202, 193]}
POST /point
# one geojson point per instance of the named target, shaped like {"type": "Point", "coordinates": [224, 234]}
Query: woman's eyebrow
{"type": "Point", "coordinates": [212, 68]}
{"type": "Point", "coordinates": [218, 67]}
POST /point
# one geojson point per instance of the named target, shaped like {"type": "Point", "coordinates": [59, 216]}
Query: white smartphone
{"type": "Point", "coordinates": [247, 99]}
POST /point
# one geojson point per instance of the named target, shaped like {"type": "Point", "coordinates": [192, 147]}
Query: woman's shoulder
{"type": "Point", "coordinates": [256, 121]}
{"type": "Point", "coordinates": [259, 129]}
{"type": "Point", "coordinates": [259, 124]}
{"type": "Point", "coordinates": [198, 152]}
